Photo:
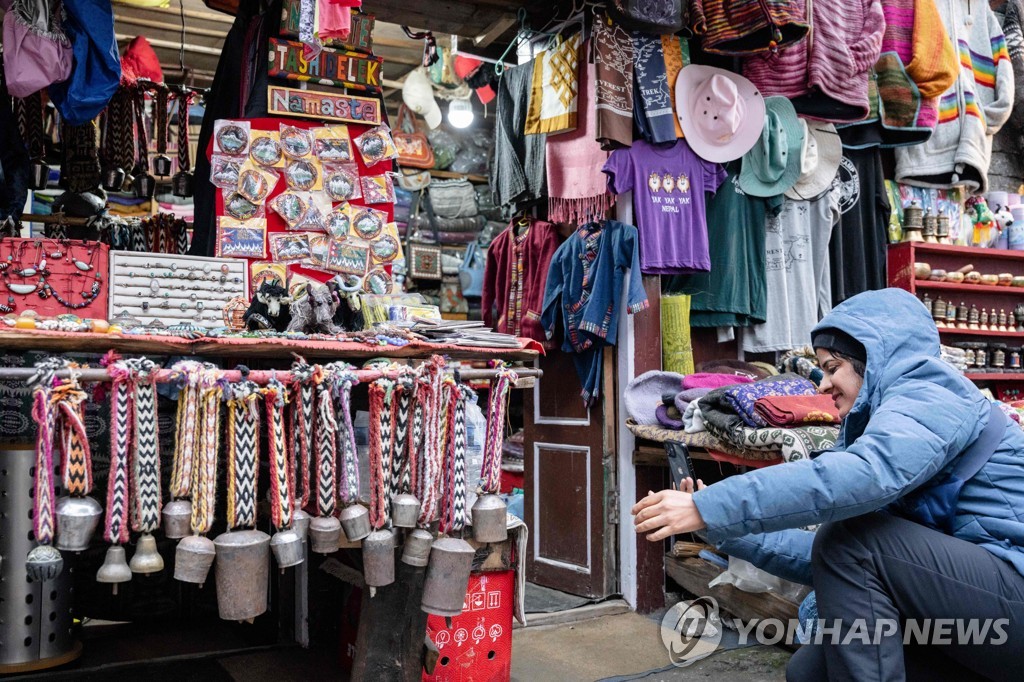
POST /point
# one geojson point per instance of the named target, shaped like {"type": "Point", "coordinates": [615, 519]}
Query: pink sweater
{"type": "Point", "coordinates": [826, 74]}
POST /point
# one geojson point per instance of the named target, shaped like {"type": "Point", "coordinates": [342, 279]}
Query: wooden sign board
{"type": "Point", "coordinates": [360, 37]}
{"type": "Point", "coordinates": [330, 67]}
{"type": "Point", "coordinates": [326, 106]}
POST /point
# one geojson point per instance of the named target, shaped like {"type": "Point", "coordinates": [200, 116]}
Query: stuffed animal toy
{"type": "Point", "coordinates": [313, 312]}
{"type": "Point", "coordinates": [348, 312]}
{"type": "Point", "coordinates": [1004, 219]}
{"type": "Point", "coordinates": [269, 309]}
{"type": "Point", "coordinates": [985, 228]}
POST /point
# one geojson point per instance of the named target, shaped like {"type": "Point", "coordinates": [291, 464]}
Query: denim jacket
{"type": "Point", "coordinates": [583, 291]}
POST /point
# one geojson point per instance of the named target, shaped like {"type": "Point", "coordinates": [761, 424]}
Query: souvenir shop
{"type": "Point", "coordinates": [360, 326]}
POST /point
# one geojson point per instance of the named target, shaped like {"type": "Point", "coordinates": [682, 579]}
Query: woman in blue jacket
{"type": "Point", "coordinates": [902, 540]}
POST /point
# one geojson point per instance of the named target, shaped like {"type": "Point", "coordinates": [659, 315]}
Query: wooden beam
{"type": "Point", "coordinates": [497, 29]}
{"type": "Point", "coordinates": [216, 17]}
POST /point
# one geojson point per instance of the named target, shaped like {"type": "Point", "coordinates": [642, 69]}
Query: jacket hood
{"type": "Point", "coordinates": [896, 332]}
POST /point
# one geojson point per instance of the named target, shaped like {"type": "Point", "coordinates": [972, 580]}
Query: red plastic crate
{"type": "Point", "coordinates": [478, 646]}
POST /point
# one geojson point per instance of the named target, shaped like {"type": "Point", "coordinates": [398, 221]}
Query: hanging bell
{"type": "Point", "coordinates": [177, 519]}
{"type": "Point", "coordinates": [146, 558]}
{"type": "Point", "coordinates": [489, 519]}
{"type": "Point", "coordinates": [181, 184]}
{"type": "Point", "coordinates": [161, 165]}
{"type": "Point", "coordinates": [40, 175]}
{"type": "Point", "coordinates": [444, 590]}
{"type": "Point", "coordinates": [379, 558]}
{"type": "Point", "coordinates": [114, 569]}
{"type": "Point", "coordinates": [128, 186]}
{"type": "Point", "coordinates": [145, 186]}
{"type": "Point", "coordinates": [113, 179]}
{"type": "Point", "coordinates": [325, 534]}
{"type": "Point", "coordinates": [242, 573]}
{"type": "Point", "coordinates": [43, 563]}
{"type": "Point", "coordinates": [193, 558]}
{"type": "Point", "coordinates": [300, 523]}
{"type": "Point", "coordinates": [405, 511]}
{"type": "Point", "coordinates": [417, 548]}
{"type": "Point", "coordinates": [77, 518]}
{"type": "Point", "coordinates": [287, 548]}
{"type": "Point", "coordinates": [355, 519]}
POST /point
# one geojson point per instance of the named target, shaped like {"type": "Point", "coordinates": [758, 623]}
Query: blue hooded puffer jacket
{"type": "Point", "coordinates": [911, 420]}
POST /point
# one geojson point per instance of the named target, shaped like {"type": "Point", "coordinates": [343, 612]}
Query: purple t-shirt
{"type": "Point", "coordinates": [670, 185]}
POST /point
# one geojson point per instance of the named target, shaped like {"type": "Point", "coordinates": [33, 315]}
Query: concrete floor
{"type": "Point", "coordinates": [629, 647]}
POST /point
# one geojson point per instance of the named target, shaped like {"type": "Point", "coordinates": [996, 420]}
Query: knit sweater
{"type": "Point", "coordinates": [971, 111]}
{"type": "Point", "coordinates": [742, 28]}
{"type": "Point", "coordinates": [826, 75]}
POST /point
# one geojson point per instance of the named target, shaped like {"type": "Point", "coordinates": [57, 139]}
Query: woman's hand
{"type": "Point", "coordinates": [668, 512]}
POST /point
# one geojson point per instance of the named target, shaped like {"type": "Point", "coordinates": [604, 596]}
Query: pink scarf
{"type": "Point", "coordinates": [577, 189]}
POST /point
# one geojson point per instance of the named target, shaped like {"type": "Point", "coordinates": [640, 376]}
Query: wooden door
{"type": "Point", "coordinates": [571, 489]}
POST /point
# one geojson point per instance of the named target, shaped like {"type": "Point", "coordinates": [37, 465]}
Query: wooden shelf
{"type": "Point", "coordinates": [993, 376]}
{"type": "Point", "coordinates": [449, 175]}
{"type": "Point", "coordinates": [968, 288]}
{"type": "Point", "coordinates": [949, 249]}
{"type": "Point", "coordinates": [979, 332]}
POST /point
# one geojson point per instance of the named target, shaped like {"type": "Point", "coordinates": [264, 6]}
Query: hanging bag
{"type": "Point", "coordinates": [414, 149]}
{"type": "Point", "coordinates": [471, 272]}
{"type": "Point", "coordinates": [424, 259]}
{"type": "Point", "coordinates": [453, 198]}
{"type": "Point", "coordinates": [36, 51]}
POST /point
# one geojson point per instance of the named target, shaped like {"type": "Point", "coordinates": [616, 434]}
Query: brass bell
{"type": "Point", "coordinates": [145, 186]}
{"type": "Point", "coordinates": [40, 177]}
{"type": "Point", "coordinates": [242, 573]}
{"type": "Point", "coordinates": [444, 590]}
{"type": "Point", "coordinates": [182, 183]}
{"type": "Point", "coordinates": [379, 558]}
{"type": "Point", "coordinates": [43, 563]}
{"type": "Point", "coordinates": [287, 548]}
{"type": "Point", "coordinates": [77, 518]}
{"type": "Point", "coordinates": [113, 179]}
{"type": "Point", "coordinates": [417, 548]}
{"type": "Point", "coordinates": [325, 534]}
{"type": "Point", "coordinates": [161, 165]}
{"type": "Point", "coordinates": [114, 569]}
{"type": "Point", "coordinates": [300, 523]}
{"type": "Point", "coordinates": [177, 519]}
{"type": "Point", "coordinates": [146, 558]}
{"type": "Point", "coordinates": [355, 519]}
{"type": "Point", "coordinates": [192, 559]}
{"type": "Point", "coordinates": [489, 519]}
{"type": "Point", "coordinates": [405, 511]}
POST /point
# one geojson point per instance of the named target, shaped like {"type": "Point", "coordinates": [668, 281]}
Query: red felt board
{"type": "Point", "coordinates": [275, 223]}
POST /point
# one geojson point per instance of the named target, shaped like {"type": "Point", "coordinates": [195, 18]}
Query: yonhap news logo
{"type": "Point", "coordinates": [691, 631]}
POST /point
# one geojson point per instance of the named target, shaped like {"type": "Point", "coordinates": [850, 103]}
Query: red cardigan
{"type": "Point", "coordinates": [512, 303]}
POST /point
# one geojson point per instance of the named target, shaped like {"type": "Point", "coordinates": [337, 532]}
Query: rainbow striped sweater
{"type": "Point", "coordinates": [971, 111]}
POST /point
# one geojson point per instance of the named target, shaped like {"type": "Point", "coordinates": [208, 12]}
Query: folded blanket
{"type": "Point", "coordinates": [684, 398]}
{"type": "Point", "coordinates": [693, 420]}
{"type": "Point", "coordinates": [710, 381]}
{"type": "Point", "coordinates": [669, 417]}
{"type": "Point", "coordinates": [742, 398]}
{"type": "Point", "coordinates": [795, 410]}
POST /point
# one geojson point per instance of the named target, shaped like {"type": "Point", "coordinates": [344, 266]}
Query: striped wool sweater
{"type": "Point", "coordinates": [826, 74]}
{"type": "Point", "coordinates": [748, 27]}
{"type": "Point", "coordinates": [971, 111]}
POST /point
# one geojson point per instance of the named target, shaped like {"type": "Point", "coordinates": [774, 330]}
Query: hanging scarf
{"type": "Point", "coordinates": [243, 454]}
{"type": "Point", "coordinates": [613, 59]}
{"type": "Point", "coordinates": [554, 93]}
{"type": "Point", "coordinates": [497, 406]}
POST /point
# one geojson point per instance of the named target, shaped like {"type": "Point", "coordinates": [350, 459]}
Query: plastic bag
{"type": "Point", "coordinates": [745, 576]}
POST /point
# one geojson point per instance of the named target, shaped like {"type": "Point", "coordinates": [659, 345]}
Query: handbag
{"type": "Point", "coordinates": [670, 16]}
{"type": "Point", "coordinates": [471, 272]}
{"type": "Point", "coordinates": [36, 51]}
{"type": "Point", "coordinates": [424, 261]}
{"type": "Point", "coordinates": [413, 181]}
{"type": "Point", "coordinates": [414, 150]}
{"type": "Point", "coordinates": [452, 298]}
{"type": "Point", "coordinates": [453, 198]}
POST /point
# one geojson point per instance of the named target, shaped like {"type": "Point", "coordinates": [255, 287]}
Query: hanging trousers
{"type": "Point", "coordinates": [878, 566]}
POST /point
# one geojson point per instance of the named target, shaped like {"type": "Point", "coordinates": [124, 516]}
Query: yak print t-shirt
{"type": "Point", "coordinates": [670, 185]}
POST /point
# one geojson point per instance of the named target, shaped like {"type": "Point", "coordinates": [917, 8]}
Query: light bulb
{"type": "Point", "coordinates": [460, 113]}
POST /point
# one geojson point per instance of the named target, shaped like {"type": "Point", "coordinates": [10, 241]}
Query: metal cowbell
{"type": "Point", "coordinates": [146, 558]}
{"type": "Point", "coordinates": [417, 548]}
{"type": "Point", "coordinates": [145, 186]}
{"type": "Point", "coordinates": [324, 534]}
{"type": "Point", "coordinates": [405, 510]}
{"type": "Point", "coordinates": [355, 519]}
{"type": "Point", "coordinates": [287, 548]}
{"type": "Point", "coordinates": [77, 518]}
{"type": "Point", "coordinates": [490, 519]}
{"type": "Point", "coordinates": [40, 177]}
{"type": "Point", "coordinates": [242, 573]}
{"type": "Point", "coordinates": [444, 590]}
{"type": "Point", "coordinates": [192, 559]}
{"type": "Point", "coordinates": [113, 179]}
{"type": "Point", "coordinates": [300, 523]}
{"type": "Point", "coordinates": [162, 165]}
{"type": "Point", "coordinates": [115, 568]}
{"type": "Point", "coordinates": [182, 184]}
{"type": "Point", "coordinates": [177, 519]}
{"type": "Point", "coordinates": [379, 558]}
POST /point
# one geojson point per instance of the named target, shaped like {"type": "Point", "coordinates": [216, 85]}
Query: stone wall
{"type": "Point", "coordinates": [1006, 172]}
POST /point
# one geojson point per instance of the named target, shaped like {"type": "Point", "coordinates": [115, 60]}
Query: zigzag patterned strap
{"type": "Point", "coordinates": [204, 473]}
{"type": "Point", "coordinates": [44, 516]}
{"type": "Point", "coordinates": [146, 462]}
{"type": "Point", "coordinates": [400, 464]}
{"type": "Point", "coordinates": [276, 395]}
{"type": "Point", "coordinates": [448, 466]}
{"type": "Point", "coordinates": [490, 474]}
{"type": "Point", "coordinates": [430, 394]}
{"type": "Point", "coordinates": [458, 494]}
{"type": "Point", "coordinates": [379, 500]}
{"type": "Point", "coordinates": [348, 486]}
{"type": "Point", "coordinates": [116, 528]}
{"type": "Point", "coordinates": [243, 454]}
{"type": "Point", "coordinates": [76, 464]}
{"type": "Point", "coordinates": [327, 456]}
{"type": "Point", "coordinates": [384, 417]}
{"type": "Point", "coordinates": [446, 431]}
{"type": "Point", "coordinates": [187, 431]}
{"type": "Point", "coordinates": [302, 428]}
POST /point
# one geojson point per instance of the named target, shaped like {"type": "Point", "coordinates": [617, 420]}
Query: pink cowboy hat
{"type": "Point", "coordinates": [721, 113]}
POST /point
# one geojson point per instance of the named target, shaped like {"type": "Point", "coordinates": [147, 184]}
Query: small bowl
{"type": "Point", "coordinates": [1005, 279]}
{"type": "Point", "coordinates": [922, 270]}
{"type": "Point", "coordinates": [937, 275]}
{"type": "Point", "coordinates": [973, 277]}
{"type": "Point", "coordinates": [1018, 281]}
{"type": "Point", "coordinates": [990, 280]}
{"type": "Point", "coordinates": [954, 277]}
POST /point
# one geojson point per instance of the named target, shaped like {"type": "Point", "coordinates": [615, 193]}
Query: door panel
{"type": "Point", "coordinates": [569, 478]}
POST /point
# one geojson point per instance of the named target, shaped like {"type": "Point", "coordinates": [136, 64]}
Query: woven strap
{"type": "Point", "coordinates": [348, 485]}
{"type": "Point", "coordinates": [276, 395]}
{"type": "Point", "coordinates": [76, 464]}
{"type": "Point", "coordinates": [490, 474]}
{"type": "Point", "coordinates": [120, 145]}
{"type": "Point", "coordinates": [29, 112]}
{"type": "Point", "coordinates": [141, 134]}
{"type": "Point", "coordinates": [380, 473]}
{"type": "Point", "coordinates": [184, 162]}
{"type": "Point", "coordinates": [243, 454]}
{"type": "Point", "coordinates": [326, 449]}
{"type": "Point", "coordinates": [453, 517]}
{"type": "Point", "coordinates": [43, 497]}
{"type": "Point", "coordinates": [116, 528]}
{"type": "Point", "coordinates": [204, 470]}
{"type": "Point", "coordinates": [146, 460]}
{"type": "Point", "coordinates": [161, 121]}
{"type": "Point", "coordinates": [188, 373]}
{"type": "Point", "coordinates": [429, 396]}
{"type": "Point", "coordinates": [400, 406]}
{"type": "Point", "coordinates": [302, 427]}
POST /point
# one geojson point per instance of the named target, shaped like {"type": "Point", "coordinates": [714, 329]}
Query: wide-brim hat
{"type": "Point", "coordinates": [773, 164]}
{"type": "Point", "coordinates": [819, 160]}
{"type": "Point", "coordinates": [646, 392]}
{"type": "Point", "coordinates": [721, 113]}
{"type": "Point", "coordinates": [736, 367]}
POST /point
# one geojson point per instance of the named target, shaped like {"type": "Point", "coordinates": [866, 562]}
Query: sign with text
{"type": "Point", "coordinates": [360, 38]}
{"type": "Point", "coordinates": [328, 106]}
{"type": "Point", "coordinates": [329, 67]}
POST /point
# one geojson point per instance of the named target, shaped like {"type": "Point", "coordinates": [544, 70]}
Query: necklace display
{"type": "Point", "coordinates": [35, 276]}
